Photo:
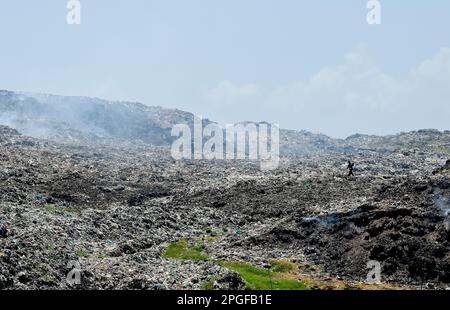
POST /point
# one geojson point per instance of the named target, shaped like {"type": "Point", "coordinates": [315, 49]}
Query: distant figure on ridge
{"type": "Point", "coordinates": [350, 168]}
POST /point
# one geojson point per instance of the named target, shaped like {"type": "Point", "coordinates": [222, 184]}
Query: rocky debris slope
{"type": "Point", "coordinates": [107, 209]}
{"type": "Point", "coordinates": [426, 139]}
{"type": "Point", "coordinates": [83, 120]}
{"type": "Point", "coordinates": [115, 208]}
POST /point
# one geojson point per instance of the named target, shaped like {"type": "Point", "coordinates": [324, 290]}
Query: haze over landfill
{"type": "Point", "coordinates": [259, 144]}
{"type": "Point", "coordinates": [99, 187]}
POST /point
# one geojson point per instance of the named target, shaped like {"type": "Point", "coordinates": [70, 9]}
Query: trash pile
{"type": "Point", "coordinates": [114, 207]}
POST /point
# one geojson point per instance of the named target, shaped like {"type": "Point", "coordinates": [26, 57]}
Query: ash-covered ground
{"type": "Point", "coordinates": [115, 208]}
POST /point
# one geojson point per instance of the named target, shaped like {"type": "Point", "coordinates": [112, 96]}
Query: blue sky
{"type": "Point", "coordinates": [305, 64]}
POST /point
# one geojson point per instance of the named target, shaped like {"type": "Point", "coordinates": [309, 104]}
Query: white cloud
{"type": "Point", "coordinates": [356, 96]}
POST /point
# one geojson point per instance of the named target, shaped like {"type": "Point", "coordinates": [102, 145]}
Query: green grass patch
{"type": "Point", "coordinates": [53, 208]}
{"type": "Point", "coordinates": [282, 266]}
{"type": "Point", "coordinates": [207, 286]}
{"type": "Point", "coordinates": [50, 208]}
{"type": "Point", "coordinates": [262, 279]}
{"type": "Point", "coordinates": [182, 250]}
{"type": "Point", "coordinates": [81, 253]}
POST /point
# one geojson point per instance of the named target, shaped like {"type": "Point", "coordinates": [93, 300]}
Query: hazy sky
{"type": "Point", "coordinates": [312, 64]}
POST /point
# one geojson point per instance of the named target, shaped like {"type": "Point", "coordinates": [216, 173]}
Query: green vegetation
{"type": "Point", "coordinates": [50, 208]}
{"type": "Point", "coordinates": [54, 208]}
{"type": "Point", "coordinates": [279, 277]}
{"type": "Point", "coordinates": [282, 266]}
{"type": "Point", "coordinates": [262, 279]}
{"type": "Point", "coordinates": [81, 253]}
{"type": "Point", "coordinates": [184, 251]}
{"type": "Point", "coordinates": [207, 286]}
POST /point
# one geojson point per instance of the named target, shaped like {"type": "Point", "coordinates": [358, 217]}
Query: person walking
{"type": "Point", "coordinates": [350, 168]}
